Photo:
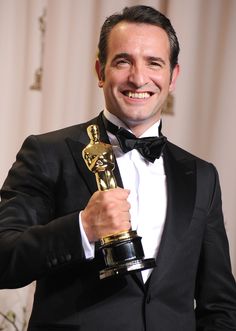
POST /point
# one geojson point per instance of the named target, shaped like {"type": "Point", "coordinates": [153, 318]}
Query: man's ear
{"type": "Point", "coordinates": [98, 68]}
{"type": "Point", "coordinates": [175, 74]}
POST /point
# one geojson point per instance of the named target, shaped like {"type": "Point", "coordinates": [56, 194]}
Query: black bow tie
{"type": "Point", "coordinates": [150, 148]}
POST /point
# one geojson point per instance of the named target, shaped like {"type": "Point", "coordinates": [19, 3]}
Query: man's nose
{"type": "Point", "coordinates": [137, 76]}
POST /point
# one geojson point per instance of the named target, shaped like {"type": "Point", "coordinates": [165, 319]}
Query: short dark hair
{"type": "Point", "coordinates": [138, 14]}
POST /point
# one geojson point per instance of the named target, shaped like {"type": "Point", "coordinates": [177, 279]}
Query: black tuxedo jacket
{"type": "Point", "coordinates": [40, 240]}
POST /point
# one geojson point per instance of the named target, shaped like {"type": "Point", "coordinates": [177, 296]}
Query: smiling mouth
{"type": "Point", "coordinates": [138, 95]}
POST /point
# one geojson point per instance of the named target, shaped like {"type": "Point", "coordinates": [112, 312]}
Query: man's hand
{"type": "Point", "coordinates": [106, 213]}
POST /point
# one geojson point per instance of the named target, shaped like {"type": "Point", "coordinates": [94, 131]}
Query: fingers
{"type": "Point", "coordinates": [106, 213]}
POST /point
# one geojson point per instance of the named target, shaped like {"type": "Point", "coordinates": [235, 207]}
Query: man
{"type": "Point", "coordinates": [52, 214]}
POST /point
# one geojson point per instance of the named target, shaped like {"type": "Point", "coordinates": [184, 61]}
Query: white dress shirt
{"type": "Point", "coordinates": [148, 197]}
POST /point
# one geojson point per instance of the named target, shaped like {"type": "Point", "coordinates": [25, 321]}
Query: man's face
{"type": "Point", "coordinates": [137, 77]}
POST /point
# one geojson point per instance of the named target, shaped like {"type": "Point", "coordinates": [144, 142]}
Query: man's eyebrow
{"type": "Point", "coordinates": [121, 56]}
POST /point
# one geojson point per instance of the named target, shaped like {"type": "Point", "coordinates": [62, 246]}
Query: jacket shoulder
{"type": "Point", "coordinates": [203, 167]}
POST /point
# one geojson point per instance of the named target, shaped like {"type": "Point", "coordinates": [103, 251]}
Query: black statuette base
{"type": "Point", "coordinates": [123, 253]}
{"type": "Point", "coordinates": [128, 267]}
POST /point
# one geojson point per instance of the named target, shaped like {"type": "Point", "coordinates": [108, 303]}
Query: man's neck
{"type": "Point", "coordinates": [137, 131]}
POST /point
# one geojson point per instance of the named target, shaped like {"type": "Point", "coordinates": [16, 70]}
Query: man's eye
{"type": "Point", "coordinates": [155, 64]}
{"type": "Point", "coordinates": [122, 62]}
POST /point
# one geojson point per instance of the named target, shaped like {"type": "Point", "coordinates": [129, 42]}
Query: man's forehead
{"type": "Point", "coordinates": [128, 36]}
{"type": "Point", "coordinates": [126, 30]}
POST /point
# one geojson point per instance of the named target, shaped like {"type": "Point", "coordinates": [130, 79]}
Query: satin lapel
{"type": "Point", "coordinates": [76, 148]}
{"type": "Point", "coordinates": [181, 190]}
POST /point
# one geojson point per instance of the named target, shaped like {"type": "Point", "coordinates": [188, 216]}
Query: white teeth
{"type": "Point", "coordinates": [143, 95]}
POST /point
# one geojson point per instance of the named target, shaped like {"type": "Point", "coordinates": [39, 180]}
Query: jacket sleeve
{"type": "Point", "coordinates": [215, 284]}
{"type": "Point", "coordinates": [34, 239]}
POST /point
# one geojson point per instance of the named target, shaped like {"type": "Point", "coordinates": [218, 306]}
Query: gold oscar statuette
{"type": "Point", "coordinates": [123, 251]}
